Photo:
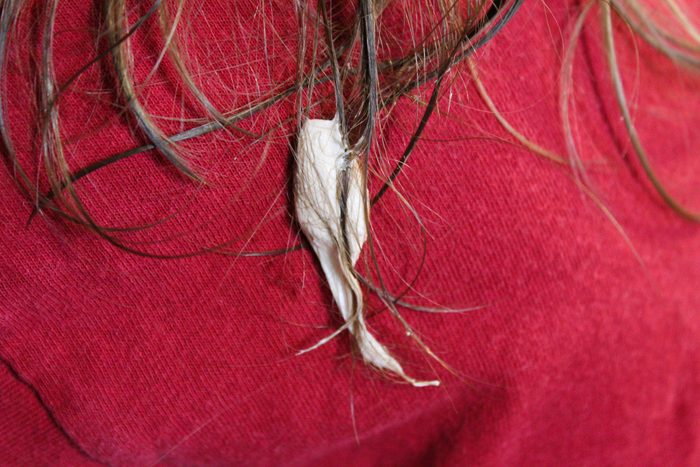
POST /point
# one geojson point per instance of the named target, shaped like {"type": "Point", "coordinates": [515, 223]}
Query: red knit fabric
{"type": "Point", "coordinates": [582, 353]}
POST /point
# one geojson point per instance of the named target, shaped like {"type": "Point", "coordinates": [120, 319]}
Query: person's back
{"type": "Point", "coordinates": [549, 276]}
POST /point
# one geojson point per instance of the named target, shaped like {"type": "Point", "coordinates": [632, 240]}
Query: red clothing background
{"type": "Point", "coordinates": [581, 354]}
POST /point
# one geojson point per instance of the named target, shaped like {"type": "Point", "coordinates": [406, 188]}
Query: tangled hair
{"type": "Point", "coordinates": [360, 58]}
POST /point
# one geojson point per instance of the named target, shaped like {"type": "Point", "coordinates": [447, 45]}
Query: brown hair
{"type": "Point", "coordinates": [346, 49]}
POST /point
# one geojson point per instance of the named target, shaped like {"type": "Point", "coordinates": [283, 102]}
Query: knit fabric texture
{"type": "Point", "coordinates": [579, 349]}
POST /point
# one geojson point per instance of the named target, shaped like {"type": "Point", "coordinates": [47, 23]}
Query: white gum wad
{"type": "Point", "coordinates": [321, 159]}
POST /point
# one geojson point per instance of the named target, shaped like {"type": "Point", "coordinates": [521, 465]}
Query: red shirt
{"type": "Point", "coordinates": [582, 349]}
